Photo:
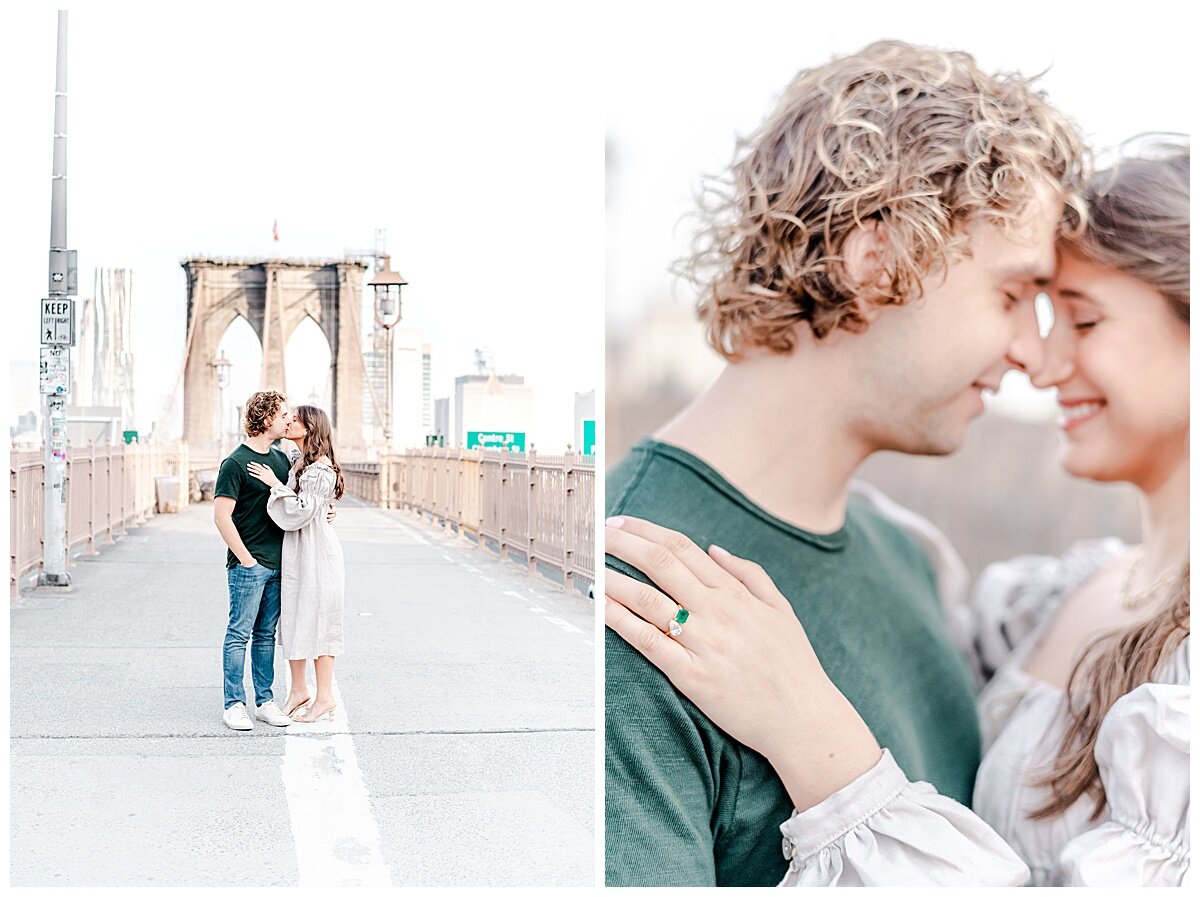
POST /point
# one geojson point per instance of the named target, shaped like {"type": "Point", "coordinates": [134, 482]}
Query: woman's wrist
{"type": "Point", "coordinates": [823, 747]}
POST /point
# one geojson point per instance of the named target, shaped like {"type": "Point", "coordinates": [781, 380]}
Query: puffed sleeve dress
{"type": "Point", "coordinates": [312, 572]}
{"type": "Point", "coordinates": [883, 829]}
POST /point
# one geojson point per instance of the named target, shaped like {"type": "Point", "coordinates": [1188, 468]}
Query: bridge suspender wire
{"type": "Point", "coordinates": [187, 351]}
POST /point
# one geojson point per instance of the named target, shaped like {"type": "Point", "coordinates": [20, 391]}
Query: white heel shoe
{"type": "Point", "coordinates": [299, 708]}
{"type": "Point", "coordinates": [327, 715]}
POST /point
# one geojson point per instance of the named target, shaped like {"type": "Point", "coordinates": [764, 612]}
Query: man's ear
{"type": "Point", "coordinates": [865, 255]}
{"type": "Point", "coordinates": [865, 252]}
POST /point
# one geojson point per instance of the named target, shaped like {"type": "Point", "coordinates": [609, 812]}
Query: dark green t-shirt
{"type": "Point", "coordinates": [687, 805]}
{"type": "Point", "coordinates": [262, 537]}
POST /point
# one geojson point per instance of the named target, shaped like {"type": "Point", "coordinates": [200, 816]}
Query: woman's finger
{"type": "Point", "coordinates": [660, 564]}
{"type": "Point", "coordinates": [644, 600]}
{"type": "Point", "coordinates": [653, 644]}
{"type": "Point", "coordinates": [752, 576]}
{"type": "Point", "coordinates": [691, 554]}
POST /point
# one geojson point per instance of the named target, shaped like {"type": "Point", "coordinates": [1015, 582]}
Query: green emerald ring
{"type": "Point", "coordinates": [675, 626]}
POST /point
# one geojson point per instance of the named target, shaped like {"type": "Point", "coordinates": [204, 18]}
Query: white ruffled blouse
{"type": "Point", "coordinates": [883, 829]}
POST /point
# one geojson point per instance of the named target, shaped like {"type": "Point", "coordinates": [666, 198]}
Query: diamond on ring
{"type": "Point", "coordinates": [675, 626]}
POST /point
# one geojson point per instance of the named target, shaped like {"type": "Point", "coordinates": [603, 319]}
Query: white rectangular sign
{"type": "Point", "coordinates": [55, 370]}
{"type": "Point", "coordinates": [58, 322]}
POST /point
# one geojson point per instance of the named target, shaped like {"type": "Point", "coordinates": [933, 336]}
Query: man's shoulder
{"type": "Point", "coordinates": [655, 477]}
{"type": "Point", "coordinates": [623, 478]}
{"type": "Point", "coordinates": [233, 463]}
{"type": "Point", "coordinates": [641, 704]}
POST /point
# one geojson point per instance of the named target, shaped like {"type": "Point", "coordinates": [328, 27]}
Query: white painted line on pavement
{"type": "Point", "coordinates": [563, 624]}
{"type": "Point", "coordinates": [417, 537]}
{"type": "Point", "coordinates": [336, 837]}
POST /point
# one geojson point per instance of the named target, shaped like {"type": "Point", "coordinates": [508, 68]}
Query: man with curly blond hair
{"type": "Point", "coordinates": [868, 271]}
{"type": "Point", "coordinates": [252, 561]}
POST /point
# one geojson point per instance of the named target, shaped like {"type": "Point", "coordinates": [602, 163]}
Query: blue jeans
{"type": "Point", "coordinates": [253, 616]}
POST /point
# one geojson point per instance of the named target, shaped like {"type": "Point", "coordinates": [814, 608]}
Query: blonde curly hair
{"type": "Point", "coordinates": [918, 140]}
{"type": "Point", "coordinates": [261, 409]}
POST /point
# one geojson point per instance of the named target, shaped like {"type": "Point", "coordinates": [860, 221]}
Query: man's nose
{"type": "Point", "coordinates": [1058, 352]}
{"type": "Point", "coordinates": [1025, 351]}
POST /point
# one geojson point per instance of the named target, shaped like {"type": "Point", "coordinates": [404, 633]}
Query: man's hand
{"type": "Point", "coordinates": [223, 518]}
{"type": "Point", "coordinates": [332, 513]}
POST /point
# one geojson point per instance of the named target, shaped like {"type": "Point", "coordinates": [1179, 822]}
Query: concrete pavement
{"type": "Point", "coordinates": [463, 752]}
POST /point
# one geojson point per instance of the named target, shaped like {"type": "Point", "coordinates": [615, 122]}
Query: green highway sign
{"type": "Point", "coordinates": [589, 437]}
{"type": "Point", "coordinates": [496, 439]}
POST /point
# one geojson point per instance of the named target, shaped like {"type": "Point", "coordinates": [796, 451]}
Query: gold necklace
{"type": "Point", "coordinates": [1132, 600]}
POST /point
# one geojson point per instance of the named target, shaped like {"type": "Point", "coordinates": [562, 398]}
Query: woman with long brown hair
{"type": "Point", "coordinates": [1084, 778]}
{"type": "Point", "coordinates": [313, 571]}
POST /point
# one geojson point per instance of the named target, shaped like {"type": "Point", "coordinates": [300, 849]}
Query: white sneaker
{"type": "Point", "coordinates": [269, 713]}
{"type": "Point", "coordinates": [235, 718]}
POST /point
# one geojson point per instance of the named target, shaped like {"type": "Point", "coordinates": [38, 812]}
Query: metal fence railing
{"type": "Point", "coordinates": [109, 488]}
{"type": "Point", "coordinates": [539, 506]}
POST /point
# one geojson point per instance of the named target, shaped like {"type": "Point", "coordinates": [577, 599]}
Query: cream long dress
{"type": "Point", "coordinates": [883, 829]}
{"type": "Point", "coordinates": [313, 573]}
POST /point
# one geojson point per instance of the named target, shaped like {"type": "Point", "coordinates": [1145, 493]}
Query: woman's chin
{"type": "Point", "coordinates": [1083, 464]}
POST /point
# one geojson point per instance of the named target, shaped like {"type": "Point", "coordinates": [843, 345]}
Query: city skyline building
{"type": "Point", "coordinates": [493, 405]}
{"type": "Point", "coordinates": [585, 410]}
{"type": "Point", "coordinates": [102, 362]}
{"type": "Point", "coordinates": [412, 385]}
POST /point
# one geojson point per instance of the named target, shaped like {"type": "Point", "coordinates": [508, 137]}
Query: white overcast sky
{"type": "Point", "coordinates": [460, 128]}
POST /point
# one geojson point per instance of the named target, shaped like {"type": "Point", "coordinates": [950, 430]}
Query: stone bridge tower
{"type": "Point", "coordinates": [274, 296]}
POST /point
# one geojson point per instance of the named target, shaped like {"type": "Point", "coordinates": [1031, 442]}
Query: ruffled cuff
{"type": "Point", "coordinates": [882, 829]}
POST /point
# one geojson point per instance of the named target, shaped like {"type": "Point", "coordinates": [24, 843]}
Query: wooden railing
{"type": "Point", "coordinates": [109, 489]}
{"type": "Point", "coordinates": [540, 506]}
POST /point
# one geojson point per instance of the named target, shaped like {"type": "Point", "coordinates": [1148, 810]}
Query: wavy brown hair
{"type": "Point", "coordinates": [261, 409]}
{"type": "Point", "coordinates": [1138, 223]}
{"type": "Point", "coordinates": [919, 140]}
{"type": "Point", "coordinates": [318, 442]}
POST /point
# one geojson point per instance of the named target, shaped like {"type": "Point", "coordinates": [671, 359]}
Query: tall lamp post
{"type": "Point", "coordinates": [387, 284]}
{"type": "Point", "coordinates": [222, 364]}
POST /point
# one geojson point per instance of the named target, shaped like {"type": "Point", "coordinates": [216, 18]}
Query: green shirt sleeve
{"type": "Point", "coordinates": [229, 479]}
{"type": "Point", "coordinates": [659, 784]}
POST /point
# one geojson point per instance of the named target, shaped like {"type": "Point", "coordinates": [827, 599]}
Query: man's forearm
{"type": "Point", "coordinates": [230, 534]}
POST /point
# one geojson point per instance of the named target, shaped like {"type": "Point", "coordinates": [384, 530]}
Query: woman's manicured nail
{"type": "Point", "coordinates": [719, 551]}
{"type": "Point", "coordinates": [616, 522]}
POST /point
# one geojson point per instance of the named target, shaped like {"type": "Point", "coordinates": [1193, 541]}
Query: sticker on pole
{"type": "Point", "coordinates": [58, 322]}
{"type": "Point", "coordinates": [54, 371]}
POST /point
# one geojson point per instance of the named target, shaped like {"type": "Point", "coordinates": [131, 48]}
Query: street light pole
{"type": "Point", "coordinates": [222, 364]}
{"type": "Point", "coordinates": [54, 432]}
{"type": "Point", "coordinates": [387, 284]}
{"type": "Point", "coordinates": [387, 421]}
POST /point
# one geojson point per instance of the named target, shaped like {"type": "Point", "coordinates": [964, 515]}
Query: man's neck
{"type": "Point", "coordinates": [260, 443]}
{"type": "Point", "coordinates": [788, 449]}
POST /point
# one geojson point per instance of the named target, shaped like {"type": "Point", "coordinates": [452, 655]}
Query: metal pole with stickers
{"type": "Point", "coordinates": [57, 337]}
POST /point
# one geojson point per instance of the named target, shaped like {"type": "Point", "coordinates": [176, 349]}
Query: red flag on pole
{"type": "Point", "coordinates": [275, 230]}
